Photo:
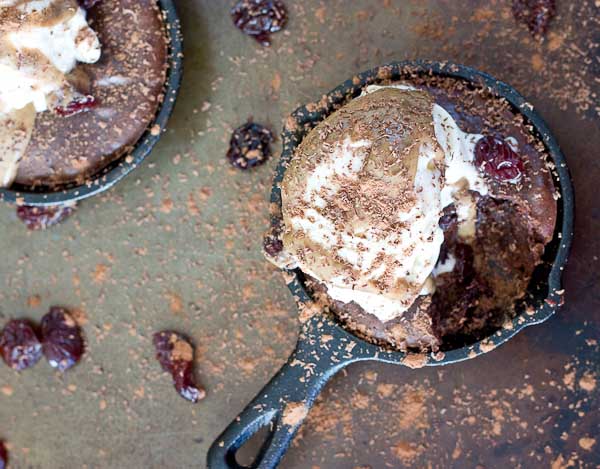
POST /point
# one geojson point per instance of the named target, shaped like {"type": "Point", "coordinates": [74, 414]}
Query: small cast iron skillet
{"type": "Point", "coordinates": [120, 168]}
{"type": "Point", "coordinates": [324, 347]}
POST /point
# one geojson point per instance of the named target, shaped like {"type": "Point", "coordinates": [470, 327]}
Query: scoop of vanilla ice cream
{"type": "Point", "coordinates": [364, 193]}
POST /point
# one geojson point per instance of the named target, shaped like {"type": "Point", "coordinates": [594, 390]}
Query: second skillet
{"type": "Point", "coordinates": [117, 170]}
{"type": "Point", "coordinates": [324, 347]}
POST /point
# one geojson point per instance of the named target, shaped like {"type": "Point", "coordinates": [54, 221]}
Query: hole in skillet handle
{"type": "Point", "coordinates": [251, 451]}
{"type": "Point", "coordinates": [322, 350]}
{"type": "Point", "coordinates": [117, 170]}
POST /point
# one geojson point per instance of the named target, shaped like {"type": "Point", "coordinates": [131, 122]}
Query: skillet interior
{"type": "Point", "coordinates": [544, 293]}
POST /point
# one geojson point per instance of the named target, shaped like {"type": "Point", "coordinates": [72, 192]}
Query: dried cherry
{"type": "Point", "coordinates": [3, 456]}
{"type": "Point", "coordinates": [20, 345]}
{"type": "Point", "coordinates": [259, 18]}
{"type": "Point", "coordinates": [249, 146]}
{"type": "Point", "coordinates": [498, 159]}
{"type": "Point", "coordinates": [272, 245]}
{"type": "Point", "coordinates": [40, 218]}
{"type": "Point", "coordinates": [62, 342]}
{"type": "Point", "coordinates": [536, 14]}
{"type": "Point", "coordinates": [176, 356]}
{"type": "Point", "coordinates": [79, 104]}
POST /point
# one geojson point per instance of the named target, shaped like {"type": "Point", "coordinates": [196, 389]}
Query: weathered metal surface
{"type": "Point", "coordinates": [177, 244]}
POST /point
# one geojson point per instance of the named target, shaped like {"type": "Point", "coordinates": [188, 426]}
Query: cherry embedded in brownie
{"type": "Point", "coordinates": [81, 103]}
{"type": "Point", "coordinates": [498, 159]}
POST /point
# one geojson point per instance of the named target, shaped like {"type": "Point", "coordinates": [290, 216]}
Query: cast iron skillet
{"type": "Point", "coordinates": [324, 347]}
{"type": "Point", "coordinates": [120, 168]}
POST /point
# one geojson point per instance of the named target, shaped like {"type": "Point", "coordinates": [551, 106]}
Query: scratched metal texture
{"type": "Point", "coordinates": [177, 245]}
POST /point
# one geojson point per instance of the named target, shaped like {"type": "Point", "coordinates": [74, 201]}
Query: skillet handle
{"type": "Point", "coordinates": [284, 402]}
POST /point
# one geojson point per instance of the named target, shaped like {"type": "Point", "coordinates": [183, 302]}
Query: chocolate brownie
{"type": "Point", "coordinates": [127, 83]}
{"type": "Point", "coordinates": [513, 223]}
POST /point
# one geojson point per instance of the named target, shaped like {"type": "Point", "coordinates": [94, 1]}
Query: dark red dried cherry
{"type": "Point", "coordinates": [87, 4]}
{"type": "Point", "coordinates": [272, 245]}
{"type": "Point", "coordinates": [497, 158]}
{"type": "Point", "coordinates": [62, 342]}
{"type": "Point", "coordinates": [535, 14]}
{"type": "Point", "coordinates": [176, 356]}
{"type": "Point", "coordinates": [249, 146]}
{"type": "Point", "coordinates": [259, 18]}
{"type": "Point", "coordinates": [79, 104]}
{"type": "Point", "coordinates": [40, 218]}
{"type": "Point", "coordinates": [19, 345]}
{"type": "Point", "coordinates": [3, 456]}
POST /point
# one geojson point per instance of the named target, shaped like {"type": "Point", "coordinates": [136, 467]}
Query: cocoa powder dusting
{"type": "Point", "coordinates": [510, 408]}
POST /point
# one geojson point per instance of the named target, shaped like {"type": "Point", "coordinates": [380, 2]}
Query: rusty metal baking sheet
{"type": "Point", "coordinates": [177, 245]}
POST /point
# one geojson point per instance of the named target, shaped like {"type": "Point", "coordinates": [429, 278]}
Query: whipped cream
{"type": "Point", "coordinates": [415, 249]}
{"type": "Point", "coordinates": [444, 267]}
{"type": "Point", "coordinates": [412, 250]}
{"type": "Point", "coordinates": [41, 41]}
